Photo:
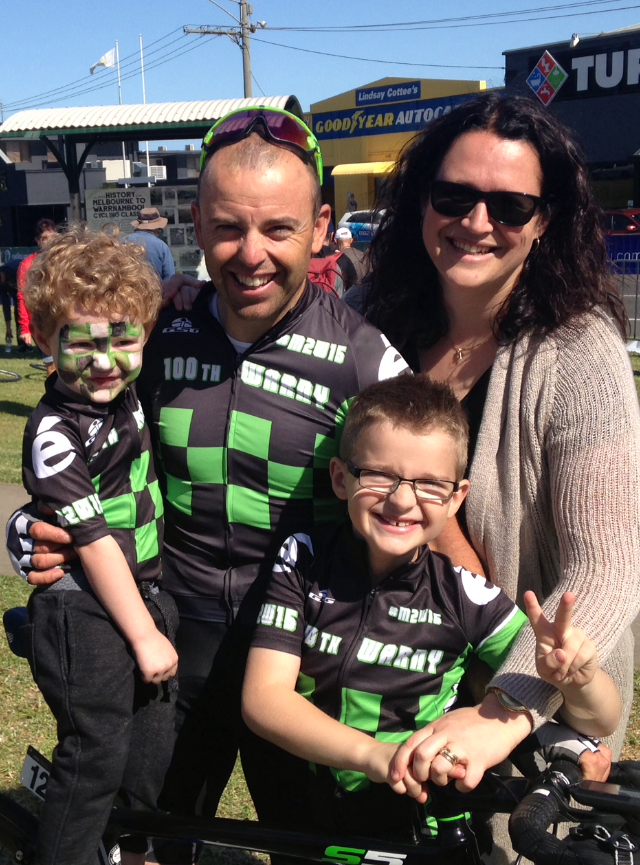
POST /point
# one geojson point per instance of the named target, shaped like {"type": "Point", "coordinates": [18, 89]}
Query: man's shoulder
{"type": "Point", "coordinates": [329, 319]}
{"type": "Point", "coordinates": [333, 310]}
{"type": "Point", "coordinates": [173, 322]}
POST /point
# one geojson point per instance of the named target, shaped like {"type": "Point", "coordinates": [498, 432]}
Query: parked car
{"type": "Point", "coordinates": [621, 221]}
{"type": "Point", "coordinates": [362, 224]}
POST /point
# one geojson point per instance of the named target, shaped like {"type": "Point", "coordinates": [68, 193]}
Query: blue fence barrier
{"type": "Point", "coordinates": [624, 252]}
{"type": "Point", "coordinates": [624, 255]}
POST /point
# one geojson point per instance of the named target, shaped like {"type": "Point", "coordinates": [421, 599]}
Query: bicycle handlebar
{"type": "Point", "coordinates": [590, 844]}
{"type": "Point", "coordinates": [532, 817]}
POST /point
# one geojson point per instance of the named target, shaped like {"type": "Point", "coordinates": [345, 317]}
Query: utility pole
{"type": "Point", "coordinates": [240, 35]}
{"type": "Point", "coordinates": [245, 28]}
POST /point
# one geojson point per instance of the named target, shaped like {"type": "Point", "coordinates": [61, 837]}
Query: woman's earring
{"type": "Point", "coordinates": [535, 246]}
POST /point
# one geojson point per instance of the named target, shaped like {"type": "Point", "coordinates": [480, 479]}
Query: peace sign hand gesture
{"type": "Point", "coordinates": [565, 656]}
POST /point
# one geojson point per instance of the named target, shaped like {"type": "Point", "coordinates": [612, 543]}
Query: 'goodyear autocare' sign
{"type": "Point", "coordinates": [388, 93]}
{"type": "Point", "coordinates": [405, 117]}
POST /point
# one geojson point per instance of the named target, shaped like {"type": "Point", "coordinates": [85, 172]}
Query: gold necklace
{"type": "Point", "coordinates": [458, 352]}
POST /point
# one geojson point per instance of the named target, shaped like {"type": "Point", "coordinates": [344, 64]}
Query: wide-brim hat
{"type": "Point", "coordinates": [149, 219]}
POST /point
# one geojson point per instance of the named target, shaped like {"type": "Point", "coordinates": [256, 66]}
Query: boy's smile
{"type": "Point", "coordinates": [396, 525]}
{"type": "Point", "coordinates": [97, 357]}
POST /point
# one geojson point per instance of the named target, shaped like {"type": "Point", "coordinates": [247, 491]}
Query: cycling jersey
{"type": "Point", "coordinates": [244, 440]}
{"type": "Point", "coordinates": [384, 660]}
{"type": "Point", "coordinates": [92, 464]}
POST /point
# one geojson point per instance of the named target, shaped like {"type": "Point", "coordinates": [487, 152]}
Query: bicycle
{"type": "Point", "coordinates": [608, 832]}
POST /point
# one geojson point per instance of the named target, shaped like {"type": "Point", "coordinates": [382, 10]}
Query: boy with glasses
{"type": "Point", "coordinates": [362, 640]}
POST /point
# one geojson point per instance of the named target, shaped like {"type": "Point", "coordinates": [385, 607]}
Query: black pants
{"type": "Point", "coordinates": [114, 731]}
{"type": "Point", "coordinates": [211, 732]}
{"type": "Point", "coordinates": [8, 298]}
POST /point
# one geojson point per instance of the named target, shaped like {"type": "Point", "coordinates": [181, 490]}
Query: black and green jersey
{"type": "Point", "coordinates": [388, 660]}
{"type": "Point", "coordinates": [92, 464]}
{"type": "Point", "coordinates": [243, 442]}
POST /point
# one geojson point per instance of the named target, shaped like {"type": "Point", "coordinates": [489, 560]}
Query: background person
{"type": "Point", "coordinates": [9, 300]}
{"type": "Point", "coordinates": [147, 225]}
{"type": "Point", "coordinates": [489, 271]}
{"type": "Point", "coordinates": [45, 231]}
{"type": "Point", "coordinates": [358, 258]}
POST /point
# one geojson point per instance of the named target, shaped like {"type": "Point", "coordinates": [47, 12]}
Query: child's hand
{"type": "Point", "coordinates": [564, 654]}
{"type": "Point", "coordinates": [156, 658]}
{"type": "Point", "coordinates": [377, 767]}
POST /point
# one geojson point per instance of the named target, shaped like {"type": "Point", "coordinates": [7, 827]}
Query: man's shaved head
{"type": "Point", "coordinates": [255, 154]}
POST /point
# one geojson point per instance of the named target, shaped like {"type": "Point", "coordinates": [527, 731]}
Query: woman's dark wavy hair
{"type": "Point", "coordinates": [566, 276]}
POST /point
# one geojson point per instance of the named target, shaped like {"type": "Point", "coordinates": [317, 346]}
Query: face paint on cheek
{"type": "Point", "coordinates": [82, 370]}
{"type": "Point", "coordinates": [130, 363]}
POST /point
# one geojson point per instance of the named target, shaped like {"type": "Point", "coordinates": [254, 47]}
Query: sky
{"type": "Point", "coordinates": [47, 50]}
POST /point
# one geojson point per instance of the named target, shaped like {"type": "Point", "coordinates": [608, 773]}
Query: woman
{"type": "Point", "coordinates": [489, 272]}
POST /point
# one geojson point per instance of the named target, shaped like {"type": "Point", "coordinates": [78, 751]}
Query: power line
{"type": "Point", "coordinates": [129, 60]}
{"type": "Point", "coordinates": [80, 87]}
{"type": "Point", "coordinates": [429, 23]}
{"type": "Point", "coordinates": [36, 102]}
{"type": "Point", "coordinates": [374, 60]}
{"type": "Point", "coordinates": [255, 80]}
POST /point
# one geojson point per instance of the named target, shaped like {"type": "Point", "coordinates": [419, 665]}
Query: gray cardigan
{"type": "Point", "coordinates": [554, 503]}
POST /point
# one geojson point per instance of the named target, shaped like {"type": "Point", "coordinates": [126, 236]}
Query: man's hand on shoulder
{"type": "Point", "coordinates": [182, 290]}
{"type": "Point", "coordinates": [36, 548]}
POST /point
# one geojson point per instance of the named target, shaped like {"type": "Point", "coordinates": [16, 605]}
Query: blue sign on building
{"type": "Point", "coordinates": [408, 117]}
{"type": "Point", "coordinates": [388, 93]}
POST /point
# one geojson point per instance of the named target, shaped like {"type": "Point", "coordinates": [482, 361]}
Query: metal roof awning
{"type": "Point", "coordinates": [153, 122]}
{"type": "Point", "coordinates": [362, 168]}
{"type": "Point", "coordinates": [156, 121]}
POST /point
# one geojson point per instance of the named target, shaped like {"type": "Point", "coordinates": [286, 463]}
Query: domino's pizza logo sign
{"type": "Point", "coordinates": [546, 78]}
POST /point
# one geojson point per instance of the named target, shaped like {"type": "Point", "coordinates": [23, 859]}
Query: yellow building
{"type": "Point", "coordinates": [362, 131]}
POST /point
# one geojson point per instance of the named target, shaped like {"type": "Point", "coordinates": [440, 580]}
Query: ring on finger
{"type": "Point", "coordinates": [449, 755]}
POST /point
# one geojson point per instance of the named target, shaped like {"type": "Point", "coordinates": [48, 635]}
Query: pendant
{"type": "Point", "coordinates": [458, 354]}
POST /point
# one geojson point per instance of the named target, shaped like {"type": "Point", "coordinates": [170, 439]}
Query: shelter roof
{"type": "Point", "coordinates": [154, 121]}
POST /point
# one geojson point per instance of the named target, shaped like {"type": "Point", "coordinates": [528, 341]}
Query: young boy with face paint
{"type": "Point", "coordinates": [100, 640]}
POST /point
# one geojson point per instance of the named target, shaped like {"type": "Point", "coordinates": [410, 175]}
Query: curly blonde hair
{"type": "Point", "coordinates": [94, 272]}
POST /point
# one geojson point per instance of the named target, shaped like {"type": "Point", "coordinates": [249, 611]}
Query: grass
{"type": "Point", "coordinates": [24, 717]}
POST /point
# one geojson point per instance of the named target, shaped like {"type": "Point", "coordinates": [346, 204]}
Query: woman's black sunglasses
{"type": "Point", "coordinates": [507, 208]}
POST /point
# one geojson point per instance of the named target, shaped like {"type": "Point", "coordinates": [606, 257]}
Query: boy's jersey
{"type": "Point", "coordinates": [244, 441]}
{"type": "Point", "coordinates": [92, 463]}
{"type": "Point", "coordinates": [387, 660]}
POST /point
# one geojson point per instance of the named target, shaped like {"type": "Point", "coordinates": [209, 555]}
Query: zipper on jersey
{"type": "Point", "coordinates": [347, 660]}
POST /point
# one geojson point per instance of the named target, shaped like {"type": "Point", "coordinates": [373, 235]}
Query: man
{"type": "Point", "coordinates": [331, 269]}
{"type": "Point", "coordinates": [147, 225]}
{"type": "Point", "coordinates": [358, 258]}
{"type": "Point", "coordinates": [246, 395]}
